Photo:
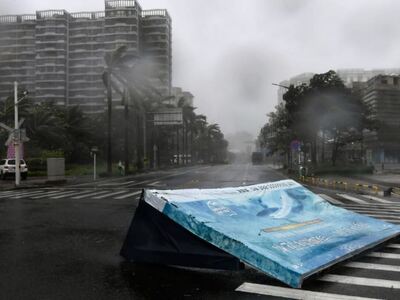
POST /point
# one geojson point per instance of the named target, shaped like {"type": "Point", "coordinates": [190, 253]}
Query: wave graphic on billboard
{"type": "Point", "coordinates": [279, 228]}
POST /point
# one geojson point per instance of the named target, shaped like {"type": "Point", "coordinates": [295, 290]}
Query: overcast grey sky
{"type": "Point", "coordinates": [227, 53]}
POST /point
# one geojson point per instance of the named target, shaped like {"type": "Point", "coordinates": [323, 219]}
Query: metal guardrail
{"type": "Point", "coordinates": [347, 186]}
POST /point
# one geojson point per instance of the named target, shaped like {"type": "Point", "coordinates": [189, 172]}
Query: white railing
{"type": "Point", "coordinates": [48, 14]}
{"type": "Point", "coordinates": [120, 3]}
{"type": "Point", "coordinates": [155, 12]}
{"type": "Point", "coordinates": [9, 19]}
{"type": "Point", "coordinates": [88, 15]}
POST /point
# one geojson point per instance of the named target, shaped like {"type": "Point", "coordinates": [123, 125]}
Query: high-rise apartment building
{"type": "Point", "coordinates": [59, 56]}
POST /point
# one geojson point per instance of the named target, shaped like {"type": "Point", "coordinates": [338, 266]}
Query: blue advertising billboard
{"type": "Point", "coordinates": [280, 228]}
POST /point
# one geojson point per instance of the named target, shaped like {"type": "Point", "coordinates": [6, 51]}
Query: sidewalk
{"type": "Point", "coordinates": [34, 182]}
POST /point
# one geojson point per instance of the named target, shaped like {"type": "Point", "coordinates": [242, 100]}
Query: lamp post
{"type": "Point", "coordinates": [17, 134]}
{"type": "Point", "coordinates": [94, 151]}
{"type": "Point", "coordinates": [282, 86]}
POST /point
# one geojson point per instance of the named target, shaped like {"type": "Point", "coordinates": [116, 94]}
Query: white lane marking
{"type": "Point", "coordinates": [392, 284]}
{"type": "Point", "coordinates": [329, 199]}
{"type": "Point", "coordinates": [47, 194]}
{"type": "Point", "coordinates": [110, 194]}
{"type": "Point", "coordinates": [391, 205]}
{"type": "Point", "coordinates": [102, 181]}
{"type": "Point", "coordinates": [7, 193]}
{"type": "Point", "coordinates": [372, 209]}
{"type": "Point", "coordinates": [376, 199]}
{"type": "Point", "coordinates": [396, 246]}
{"type": "Point", "coordinates": [171, 175]}
{"type": "Point", "coordinates": [276, 291]}
{"type": "Point", "coordinates": [128, 195]}
{"type": "Point", "coordinates": [26, 194]}
{"type": "Point", "coordinates": [70, 193]}
{"type": "Point", "coordinates": [155, 183]}
{"type": "Point", "coordinates": [378, 210]}
{"type": "Point", "coordinates": [118, 183]}
{"type": "Point", "coordinates": [22, 193]}
{"type": "Point", "coordinates": [384, 255]}
{"type": "Point", "coordinates": [381, 216]}
{"type": "Point", "coordinates": [89, 195]}
{"type": "Point", "coordinates": [362, 265]}
{"type": "Point", "coordinates": [351, 198]}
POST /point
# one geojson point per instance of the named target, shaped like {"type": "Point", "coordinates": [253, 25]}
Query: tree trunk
{"type": "Point", "coordinates": [314, 150]}
{"type": "Point", "coordinates": [191, 145]}
{"type": "Point", "coordinates": [323, 146]}
{"type": "Point", "coordinates": [109, 115]}
{"type": "Point", "coordinates": [334, 150]}
{"type": "Point", "coordinates": [139, 148]}
{"type": "Point", "coordinates": [126, 133]}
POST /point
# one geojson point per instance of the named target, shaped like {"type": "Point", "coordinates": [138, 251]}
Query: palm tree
{"type": "Point", "coordinates": [113, 61]}
{"type": "Point", "coordinates": [213, 133]}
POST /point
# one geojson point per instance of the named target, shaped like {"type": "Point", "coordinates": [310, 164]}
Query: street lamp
{"type": "Point", "coordinates": [17, 134]}
{"type": "Point", "coordinates": [94, 151]}
{"type": "Point", "coordinates": [282, 86]}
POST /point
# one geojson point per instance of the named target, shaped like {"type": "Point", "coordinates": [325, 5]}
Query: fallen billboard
{"type": "Point", "coordinates": [279, 228]}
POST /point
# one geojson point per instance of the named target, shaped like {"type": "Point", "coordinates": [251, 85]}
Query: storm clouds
{"type": "Point", "coordinates": [228, 53]}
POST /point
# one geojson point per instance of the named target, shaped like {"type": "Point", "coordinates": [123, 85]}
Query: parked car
{"type": "Point", "coordinates": [7, 167]}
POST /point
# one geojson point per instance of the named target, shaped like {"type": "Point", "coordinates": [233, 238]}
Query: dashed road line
{"type": "Point", "coordinates": [22, 193]}
{"type": "Point", "coordinates": [25, 194]}
{"type": "Point", "coordinates": [128, 195]}
{"type": "Point", "coordinates": [395, 246]}
{"type": "Point", "coordinates": [381, 216]}
{"type": "Point", "coordinates": [373, 282]}
{"type": "Point", "coordinates": [47, 194]}
{"type": "Point", "coordinates": [369, 266]}
{"type": "Point", "coordinates": [330, 199]}
{"type": "Point", "coordinates": [70, 193]}
{"type": "Point", "coordinates": [376, 199]}
{"type": "Point", "coordinates": [276, 291]}
{"type": "Point", "coordinates": [89, 195]}
{"type": "Point", "coordinates": [110, 194]}
{"type": "Point", "coordinates": [117, 183]}
{"type": "Point", "coordinates": [384, 255]}
{"type": "Point", "coordinates": [351, 198]}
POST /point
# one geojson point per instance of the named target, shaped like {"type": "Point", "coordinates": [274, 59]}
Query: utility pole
{"type": "Point", "coordinates": [144, 140]}
{"type": "Point", "coordinates": [177, 144]}
{"type": "Point", "coordinates": [16, 138]}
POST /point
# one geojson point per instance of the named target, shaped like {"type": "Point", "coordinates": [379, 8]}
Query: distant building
{"type": "Point", "coordinates": [59, 56]}
{"type": "Point", "coordinates": [186, 98]}
{"type": "Point", "coordinates": [297, 80]}
{"type": "Point", "coordinates": [349, 76]}
{"type": "Point", "coordinates": [383, 146]}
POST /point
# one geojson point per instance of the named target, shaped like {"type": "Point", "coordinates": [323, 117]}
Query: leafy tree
{"type": "Point", "coordinates": [276, 134]}
{"type": "Point", "coordinates": [325, 107]}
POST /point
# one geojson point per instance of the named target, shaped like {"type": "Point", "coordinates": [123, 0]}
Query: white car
{"type": "Point", "coordinates": [7, 167]}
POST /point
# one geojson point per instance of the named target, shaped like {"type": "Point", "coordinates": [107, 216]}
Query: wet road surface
{"type": "Point", "coordinates": [63, 243]}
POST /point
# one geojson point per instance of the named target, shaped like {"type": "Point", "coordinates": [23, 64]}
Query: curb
{"type": "Point", "coordinates": [343, 185]}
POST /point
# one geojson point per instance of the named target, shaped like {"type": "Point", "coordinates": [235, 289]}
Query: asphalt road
{"type": "Point", "coordinates": [63, 243]}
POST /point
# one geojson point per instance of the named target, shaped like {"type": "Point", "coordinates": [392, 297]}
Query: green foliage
{"type": "Point", "coordinates": [325, 109]}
